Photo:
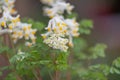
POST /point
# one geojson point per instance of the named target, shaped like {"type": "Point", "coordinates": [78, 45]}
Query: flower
{"type": "Point", "coordinates": [8, 5]}
{"type": "Point", "coordinates": [58, 8]}
{"type": "Point", "coordinates": [17, 29]}
{"type": "Point", "coordinates": [7, 19]}
{"type": "Point", "coordinates": [60, 26]}
{"type": "Point", "coordinates": [57, 41]}
{"type": "Point", "coordinates": [24, 30]}
{"type": "Point", "coordinates": [72, 31]}
{"type": "Point", "coordinates": [55, 37]}
{"type": "Point", "coordinates": [73, 27]}
{"type": "Point", "coordinates": [56, 25]}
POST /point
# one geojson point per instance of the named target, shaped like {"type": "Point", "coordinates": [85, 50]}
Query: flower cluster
{"type": "Point", "coordinates": [58, 7]}
{"type": "Point", "coordinates": [57, 42]}
{"type": "Point", "coordinates": [7, 5]}
{"type": "Point", "coordinates": [14, 26]}
{"type": "Point", "coordinates": [58, 25]}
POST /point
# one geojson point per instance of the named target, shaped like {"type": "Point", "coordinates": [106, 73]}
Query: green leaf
{"type": "Point", "coordinates": [115, 66]}
{"type": "Point", "coordinates": [3, 49]}
{"type": "Point", "coordinates": [98, 51]}
{"type": "Point", "coordinates": [72, 15]}
{"type": "Point", "coordinates": [85, 26]}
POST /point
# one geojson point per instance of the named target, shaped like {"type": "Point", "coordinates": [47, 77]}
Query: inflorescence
{"type": "Point", "coordinates": [10, 23]}
{"type": "Point", "coordinates": [58, 25]}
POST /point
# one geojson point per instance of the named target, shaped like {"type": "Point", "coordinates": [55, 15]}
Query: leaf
{"type": "Point", "coordinates": [103, 68]}
{"type": "Point", "coordinates": [85, 26]}
{"type": "Point", "coordinates": [115, 66]}
{"type": "Point", "coordinates": [86, 23]}
{"type": "Point", "coordinates": [98, 51]}
{"type": "Point", "coordinates": [72, 15]}
{"type": "Point", "coordinates": [3, 49]}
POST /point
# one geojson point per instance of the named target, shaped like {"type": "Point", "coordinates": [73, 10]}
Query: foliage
{"type": "Point", "coordinates": [115, 66]}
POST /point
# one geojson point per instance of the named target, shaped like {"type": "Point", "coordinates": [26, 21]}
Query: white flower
{"type": "Point", "coordinates": [57, 42]}
{"type": "Point", "coordinates": [8, 5]}
{"type": "Point", "coordinates": [61, 28]}
{"type": "Point", "coordinates": [72, 31]}
{"type": "Point", "coordinates": [57, 25]}
{"type": "Point", "coordinates": [62, 6]}
{"type": "Point", "coordinates": [2, 23]}
{"type": "Point", "coordinates": [55, 37]}
{"type": "Point", "coordinates": [50, 12]}
{"type": "Point", "coordinates": [8, 18]}
{"type": "Point", "coordinates": [10, 9]}
{"type": "Point", "coordinates": [58, 8]}
{"type": "Point", "coordinates": [25, 30]}
{"type": "Point", "coordinates": [17, 29]}
{"type": "Point", "coordinates": [73, 27]}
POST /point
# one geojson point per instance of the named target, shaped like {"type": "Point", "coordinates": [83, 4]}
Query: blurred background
{"type": "Point", "coordinates": [104, 13]}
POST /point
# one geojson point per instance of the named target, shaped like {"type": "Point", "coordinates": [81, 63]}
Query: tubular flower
{"type": "Point", "coordinates": [7, 18]}
{"type": "Point", "coordinates": [56, 25]}
{"type": "Point", "coordinates": [72, 31]}
{"type": "Point", "coordinates": [58, 8]}
{"type": "Point", "coordinates": [24, 30]}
